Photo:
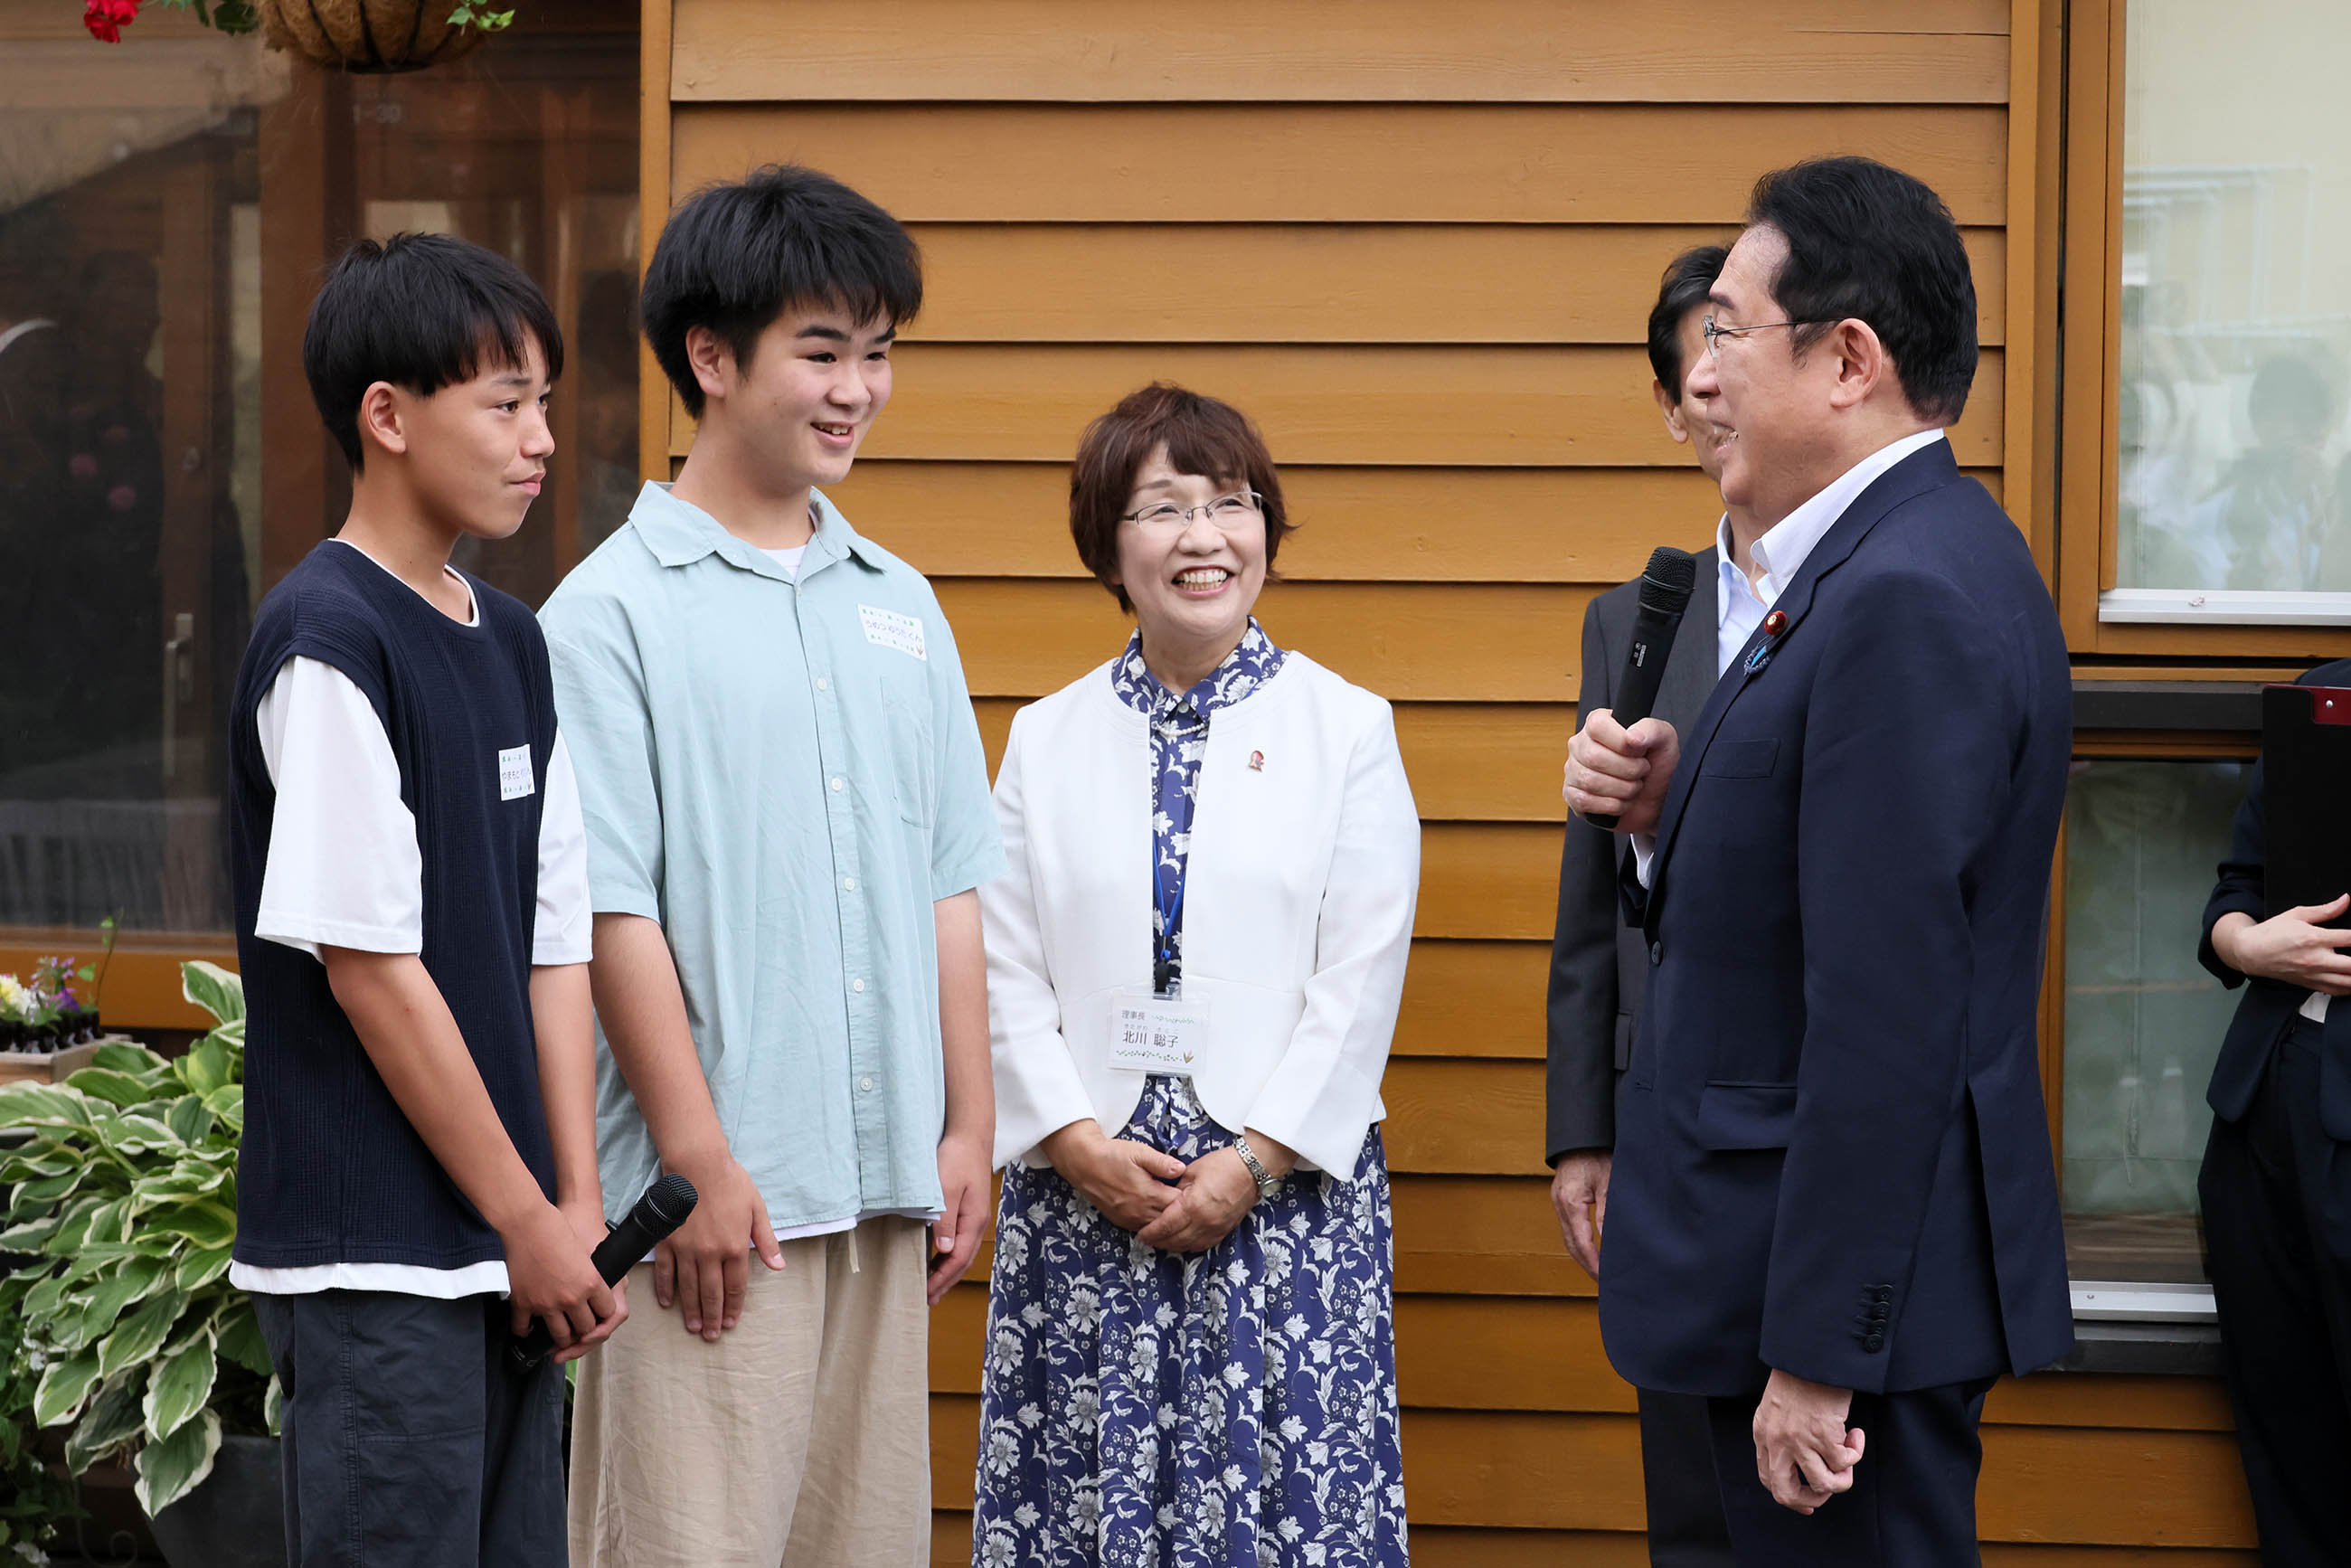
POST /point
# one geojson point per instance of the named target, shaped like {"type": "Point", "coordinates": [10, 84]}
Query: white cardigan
{"type": "Point", "coordinates": [1298, 908]}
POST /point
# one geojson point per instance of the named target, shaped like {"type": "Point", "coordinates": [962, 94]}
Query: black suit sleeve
{"type": "Point", "coordinates": [2240, 886]}
{"type": "Point", "coordinates": [1580, 1036]}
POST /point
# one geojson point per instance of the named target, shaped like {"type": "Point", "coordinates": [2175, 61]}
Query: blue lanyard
{"type": "Point", "coordinates": [1162, 968]}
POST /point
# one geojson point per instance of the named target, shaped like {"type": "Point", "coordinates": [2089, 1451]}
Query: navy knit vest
{"type": "Point", "coordinates": [330, 1170]}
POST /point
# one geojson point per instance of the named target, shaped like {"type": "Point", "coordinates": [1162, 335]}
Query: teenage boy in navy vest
{"type": "Point", "coordinates": [788, 816]}
{"type": "Point", "coordinates": [413, 931]}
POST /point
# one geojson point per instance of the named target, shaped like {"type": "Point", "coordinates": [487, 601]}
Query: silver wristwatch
{"type": "Point", "coordinates": [1268, 1184]}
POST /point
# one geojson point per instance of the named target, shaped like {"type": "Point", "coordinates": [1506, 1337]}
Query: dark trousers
{"type": "Point", "coordinates": [1912, 1499]}
{"type": "Point", "coordinates": [406, 1438]}
{"type": "Point", "coordinates": [1677, 1479]}
{"type": "Point", "coordinates": [2284, 1304]}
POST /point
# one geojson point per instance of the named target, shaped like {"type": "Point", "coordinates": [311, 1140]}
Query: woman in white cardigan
{"type": "Point", "coordinates": [1194, 968]}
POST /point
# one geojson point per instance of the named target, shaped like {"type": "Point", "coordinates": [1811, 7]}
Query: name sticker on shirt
{"type": "Point", "coordinates": [888, 628]}
{"type": "Point", "coordinates": [514, 773]}
{"type": "Point", "coordinates": [1158, 1034]}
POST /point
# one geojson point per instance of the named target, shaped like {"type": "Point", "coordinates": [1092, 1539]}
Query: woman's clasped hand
{"type": "Point", "coordinates": [1167, 1204]}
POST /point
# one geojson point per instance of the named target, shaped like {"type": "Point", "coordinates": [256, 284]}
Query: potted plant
{"type": "Point", "coordinates": [125, 1181]}
{"type": "Point", "coordinates": [373, 36]}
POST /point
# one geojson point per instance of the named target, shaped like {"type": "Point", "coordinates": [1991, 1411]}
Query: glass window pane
{"type": "Point", "coordinates": [166, 205]}
{"type": "Point", "coordinates": [2235, 273]}
{"type": "Point", "coordinates": [2143, 1018]}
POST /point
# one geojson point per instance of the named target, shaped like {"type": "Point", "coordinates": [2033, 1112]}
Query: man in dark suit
{"type": "Point", "coordinates": [1599, 965]}
{"type": "Point", "coordinates": [1834, 1209]}
{"type": "Point", "coordinates": [2276, 1194]}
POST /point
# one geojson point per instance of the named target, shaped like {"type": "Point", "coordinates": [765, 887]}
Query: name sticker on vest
{"type": "Point", "coordinates": [514, 773]}
{"type": "Point", "coordinates": [888, 628]}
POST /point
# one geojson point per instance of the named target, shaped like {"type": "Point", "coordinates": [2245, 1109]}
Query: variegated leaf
{"type": "Point", "coordinates": [171, 1470]}
{"type": "Point", "coordinates": [114, 1419]}
{"type": "Point", "coordinates": [141, 1334]}
{"type": "Point", "coordinates": [241, 1341]}
{"type": "Point", "coordinates": [205, 1067]}
{"type": "Point", "coordinates": [43, 1105]}
{"type": "Point", "coordinates": [188, 1119]}
{"type": "Point", "coordinates": [106, 1083]}
{"type": "Point", "coordinates": [200, 1269]}
{"type": "Point", "coordinates": [180, 1382]}
{"type": "Point", "coordinates": [125, 1058]}
{"type": "Point", "coordinates": [213, 988]}
{"type": "Point", "coordinates": [65, 1383]}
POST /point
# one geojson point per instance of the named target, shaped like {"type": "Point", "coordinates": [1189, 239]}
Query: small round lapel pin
{"type": "Point", "coordinates": [1775, 623]}
{"type": "Point", "coordinates": [1257, 762]}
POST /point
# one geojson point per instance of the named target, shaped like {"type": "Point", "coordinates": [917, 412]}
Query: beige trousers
{"type": "Point", "coordinates": [801, 1440]}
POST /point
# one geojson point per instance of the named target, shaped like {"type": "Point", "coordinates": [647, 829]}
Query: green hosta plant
{"type": "Point", "coordinates": [126, 1196]}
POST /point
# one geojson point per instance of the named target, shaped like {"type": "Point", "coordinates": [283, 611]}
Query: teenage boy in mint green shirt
{"type": "Point", "coordinates": [787, 819]}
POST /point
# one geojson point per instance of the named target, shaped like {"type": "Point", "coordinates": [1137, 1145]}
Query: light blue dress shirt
{"type": "Point", "coordinates": [784, 770]}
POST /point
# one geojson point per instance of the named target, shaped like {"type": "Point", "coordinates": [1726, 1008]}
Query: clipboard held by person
{"type": "Point", "coordinates": [2307, 809]}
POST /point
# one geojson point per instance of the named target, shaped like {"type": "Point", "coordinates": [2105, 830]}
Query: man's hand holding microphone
{"type": "Point", "coordinates": [1617, 777]}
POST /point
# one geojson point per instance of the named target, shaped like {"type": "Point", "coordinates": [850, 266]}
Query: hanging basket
{"type": "Point", "coordinates": [372, 35]}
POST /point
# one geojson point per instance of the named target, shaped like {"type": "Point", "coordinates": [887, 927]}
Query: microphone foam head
{"type": "Point", "coordinates": [670, 1199]}
{"type": "Point", "coordinates": [1670, 580]}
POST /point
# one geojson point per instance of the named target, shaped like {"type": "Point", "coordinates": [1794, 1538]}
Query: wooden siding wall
{"type": "Point", "coordinates": [1418, 244]}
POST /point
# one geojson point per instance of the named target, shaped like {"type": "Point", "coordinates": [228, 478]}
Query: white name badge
{"type": "Point", "coordinates": [888, 628]}
{"type": "Point", "coordinates": [514, 773]}
{"type": "Point", "coordinates": [1158, 1034]}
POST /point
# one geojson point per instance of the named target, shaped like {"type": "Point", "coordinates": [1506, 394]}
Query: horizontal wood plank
{"type": "Point", "coordinates": [2072, 1399]}
{"type": "Point", "coordinates": [1523, 1471]}
{"type": "Point", "coordinates": [2096, 1487]}
{"type": "Point", "coordinates": [1464, 1117]}
{"type": "Point", "coordinates": [1320, 283]}
{"type": "Point", "coordinates": [1471, 762]}
{"type": "Point", "coordinates": [1437, 643]}
{"type": "Point", "coordinates": [1482, 1235]}
{"type": "Point", "coordinates": [1593, 163]}
{"type": "Point", "coordinates": [1814, 51]}
{"type": "Point", "coordinates": [1437, 1546]}
{"type": "Point", "coordinates": [1474, 1000]}
{"type": "Point", "coordinates": [1486, 762]}
{"type": "Point", "coordinates": [2002, 1554]}
{"type": "Point", "coordinates": [1412, 405]}
{"type": "Point", "coordinates": [1489, 880]}
{"type": "Point", "coordinates": [1481, 1353]}
{"type": "Point", "coordinates": [1579, 524]}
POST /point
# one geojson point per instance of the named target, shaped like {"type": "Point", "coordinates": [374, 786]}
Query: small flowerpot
{"type": "Point", "coordinates": [236, 1518]}
{"type": "Point", "coordinates": [370, 36]}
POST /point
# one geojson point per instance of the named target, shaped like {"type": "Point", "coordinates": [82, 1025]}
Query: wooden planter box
{"type": "Point", "coordinates": [54, 1066]}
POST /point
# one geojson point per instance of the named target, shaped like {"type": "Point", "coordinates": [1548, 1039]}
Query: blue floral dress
{"type": "Point", "coordinates": [1232, 1408]}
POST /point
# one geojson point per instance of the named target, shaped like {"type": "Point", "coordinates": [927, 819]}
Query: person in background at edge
{"type": "Point", "coordinates": [1195, 965]}
{"type": "Point", "coordinates": [1833, 1204]}
{"type": "Point", "coordinates": [1600, 965]}
{"type": "Point", "coordinates": [787, 805]}
{"type": "Point", "coordinates": [2276, 1195]}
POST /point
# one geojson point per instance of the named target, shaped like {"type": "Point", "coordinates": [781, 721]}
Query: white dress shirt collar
{"type": "Point", "coordinates": [1782, 552]}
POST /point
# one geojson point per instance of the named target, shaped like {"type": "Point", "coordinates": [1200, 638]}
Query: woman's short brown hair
{"type": "Point", "coordinates": [1203, 436]}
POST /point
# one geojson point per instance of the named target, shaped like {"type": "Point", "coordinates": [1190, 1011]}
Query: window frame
{"type": "Point", "coordinates": [2155, 720]}
{"type": "Point", "coordinates": [2169, 623]}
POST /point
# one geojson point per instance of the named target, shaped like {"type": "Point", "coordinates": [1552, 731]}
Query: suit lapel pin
{"type": "Point", "coordinates": [1257, 762]}
{"type": "Point", "coordinates": [1774, 624]}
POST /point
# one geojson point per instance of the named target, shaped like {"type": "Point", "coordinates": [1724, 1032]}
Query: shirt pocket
{"type": "Point", "coordinates": [914, 762]}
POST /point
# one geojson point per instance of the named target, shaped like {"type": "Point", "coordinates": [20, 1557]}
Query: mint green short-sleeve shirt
{"type": "Point", "coordinates": [786, 773]}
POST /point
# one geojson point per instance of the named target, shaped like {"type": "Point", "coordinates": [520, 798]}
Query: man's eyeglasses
{"type": "Point", "coordinates": [1231, 512]}
{"type": "Point", "coordinates": [1715, 335]}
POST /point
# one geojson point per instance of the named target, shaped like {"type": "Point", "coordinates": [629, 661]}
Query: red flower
{"type": "Point", "coordinates": [107, 18]}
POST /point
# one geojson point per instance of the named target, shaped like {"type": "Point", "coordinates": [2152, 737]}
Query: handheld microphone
{"type": "Point", "coordinates": [1665, 589]}
{"type": "Point", "coordinates": [662, 1210]}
